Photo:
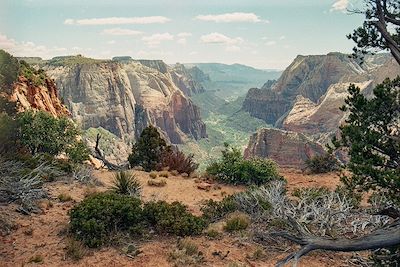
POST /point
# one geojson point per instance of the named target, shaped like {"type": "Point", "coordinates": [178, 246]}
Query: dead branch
{"type": "Point", "coordinates": [99, 155]}
{"type": "Point", "coordinates": [381, 238]}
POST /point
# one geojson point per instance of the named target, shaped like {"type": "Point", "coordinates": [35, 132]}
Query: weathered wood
{"type": "Point", "coordinates": [99, 155]}
{"type": "Point", "coordinates": [382, 238]}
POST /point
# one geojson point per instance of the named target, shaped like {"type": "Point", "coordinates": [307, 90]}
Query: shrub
{"type": "Point", "coordinates": [188, 246]}
{"type": "Point", "coordinates": [36, 259]}
{"type": "Point", "coordinates": [78, 152]}
{"type": "Point", "coordinates": [172, 218]}
{"type": "Point", "coordinates": [164, 174]}
{"type": "Point", "coordinates": [178, 161]}
{"type": "Point", "coordinates": [153, 175]}
{"type": "Point", "coordinates": [237, 222]}
{"type": "Point", "coordinates": [64, 197]}
{"type": "Point", "coordinates": [322, 164]}
{"type": "Point", "coordinates": [215, 210]}
{"type": "Point", "coordinates": [157, 183]}
{"type": "Point", "coordinates": [99, 215]}
{"type": "Point", "coordinates": [126, 183]}
{"type": "Point", "coordinates": [310, 194]}
{"type": "Point", "coordinates": [40, 132]}
{"type": "Point", "coordinates": [234, 169]}
{"type": "Point", "coordinates": [8, 137]}
{"type": "Point", "coordinates": [75, 250]}
{"type": "Point", "coordinates": [148, 149]}
{"type": "Point", "coordinates": [186, 254]}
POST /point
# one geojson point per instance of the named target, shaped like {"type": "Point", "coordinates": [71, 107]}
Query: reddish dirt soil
{"type": "Point", "coordinates": [44, 234]}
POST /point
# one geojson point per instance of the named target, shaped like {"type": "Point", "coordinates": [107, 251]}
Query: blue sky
{"type": "Point", "coordinates": [261, 33]}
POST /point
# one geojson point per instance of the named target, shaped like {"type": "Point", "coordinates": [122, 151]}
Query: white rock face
{"type": "Point", "coordinates": [126, 97]}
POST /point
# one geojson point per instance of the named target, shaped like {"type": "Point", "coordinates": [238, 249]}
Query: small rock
{"type": "Point", "coordinates": [185, 174]}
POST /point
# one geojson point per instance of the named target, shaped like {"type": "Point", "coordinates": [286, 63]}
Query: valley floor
{"type": "Point", "coordinates": [44, 234]}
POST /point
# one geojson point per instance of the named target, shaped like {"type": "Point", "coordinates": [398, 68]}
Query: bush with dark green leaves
{"type": "Point", "coordinates": [233, 168]}
{"type": "Point", "coordinates": [98, 216]}
{"type": "Point", "coordinates": [216, 210]}
{"type": "Point", "coordinates": [8, 134]}
{"type": "Point", "coordinates": [40, 132]}
{"type": "Point", "coordinates": [9, 69]}
{"type": "Point", "coordinates": [322, 164]}
{"type": "Point", "coordinates": [147, 151]}
{"type": "Point", "coordinates": [172, 218]}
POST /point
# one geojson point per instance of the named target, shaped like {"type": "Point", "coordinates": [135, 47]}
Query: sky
{"type": "Point", "coordinates": [265, 34]}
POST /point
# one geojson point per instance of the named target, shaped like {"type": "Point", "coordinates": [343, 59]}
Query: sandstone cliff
{"type": "Point", "coordinates": [311, 77]}
{"type": "Point", "coordinates": [125, 96]}
{"type": "Point", "coordinates": [287, 149]}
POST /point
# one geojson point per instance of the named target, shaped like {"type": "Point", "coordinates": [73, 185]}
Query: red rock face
{"type": "Point", "coordinates": [287, 149]}
{"type": "Point", "coordinates": [43, 97]}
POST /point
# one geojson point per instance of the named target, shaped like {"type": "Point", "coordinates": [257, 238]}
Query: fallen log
{"type": "Point", "coordinates": [381, 238]}
{"type": "Point", "coordinates": [98, 154]}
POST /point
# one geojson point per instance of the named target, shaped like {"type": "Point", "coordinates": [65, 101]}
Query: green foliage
{"type": "Point", "coordinates": [95, 219]}
{"type": "Point", "coordinates": [178, 161]}
{"type": "Point", "coordinates": [148, 149]}
{"type": "Point", "coordinates": [40, 132]}
{"type": "Point", "coordinates": [371, 135]}
{"type": "Point", "coordinates": [380, 29]}
{"type": "Point", "coordinates": [8, 136]}
{"type": "Point", "coordinates": [234, 169]}
{"type": "Point", "coordinates": [78, 152]}
{"type": "Point", "coordinates": [9, 68]}
{"type": "Point", "coordinates": [214, 210]}
{"type": "Point", "coordinates": [310, 194]}
{"type": "Point", "coordinates": [322, 164]}
{"type": "Point", "coordinates": [172, 218]}
{"type": "Point", "coordinates": [237, 222]}
{"type": "Point", "coordinates": [36, 77]}
{"type": "Point", "coordinates": [126, 183]}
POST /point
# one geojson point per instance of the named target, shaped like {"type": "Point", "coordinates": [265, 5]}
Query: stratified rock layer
{"type": "Point", "coordinates": [287, 149]}
{"type": "Point", "coordinates": [125, 97]}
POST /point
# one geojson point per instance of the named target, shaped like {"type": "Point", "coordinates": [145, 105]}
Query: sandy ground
{"type": "Point", "coordinates": [44, 234]}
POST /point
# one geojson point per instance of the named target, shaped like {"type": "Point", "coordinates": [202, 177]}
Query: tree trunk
{"type": "Point", "coordinates": [382, 238]}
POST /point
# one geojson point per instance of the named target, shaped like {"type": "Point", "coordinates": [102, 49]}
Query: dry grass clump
{"type": "Point", "coordinates": [153, 175]}
{"type": "Point", "coordinates": [164, 174]}
{"type": "Point", "coordinates": [75, 250]}
{"type": "Point", "coordinates": [186, 253]}
{"type": "Point", "coordinates": [157, 183]}
{"type": "Point", "coordinates": [7, 225]}
{"type": "Point", "coordinates": [237, 221]}
{"type": "Point", "coordinates": [36, 259]}
{"type": "Point", "coordinates": [174, 173]}
{"type": "Point", "coordinates": [63, 197]}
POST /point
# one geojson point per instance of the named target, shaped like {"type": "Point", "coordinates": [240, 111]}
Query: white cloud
{"type": "Point", "coordinates": [119, 31]}
{"type": "Point", "coordinates": [182, 41]}
{"type": "Point", "coordinates": [219, 38]}
{"type": "Point", "coordinates": [157, 38]}
{"type": "Point", "coordinates": [270, 43]}
{"type": "Point", "coordinates": [232, 48]}
{"type": "Point", "coordinates": [340, 5]}
{"type": "Point", "coordinates": [283, 37]}
{"type": "Point", "coordinates": [111, 42]}
{"type": "Point", "coordinates": [232, 17]}
{"type": "Point", "coordinates": [118, 20]}
{"type": "Point", "coordinates": [152, 54]}
{"type": "Point", "coordinates": [184, 34]}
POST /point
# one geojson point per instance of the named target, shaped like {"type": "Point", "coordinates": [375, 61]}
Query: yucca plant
{"type": "Point", "coordinates": [126, 183]}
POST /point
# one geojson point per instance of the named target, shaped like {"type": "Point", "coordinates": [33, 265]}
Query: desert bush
{"type": "Point", "coordinates": [232, 168]}
{"type": "Point", "coordinates": [127, 184]}
{"type": "Point", "coordinates": [310, 193]}
{"type": "Point", "coordinates": [153, 175]}
{"type": "Point", "coordinates": [63, 197]}
{"type": "Point", "coordinates": [177, 160]}
{"type": "Point", "coordinates": [95, 219]}
{"type": "Point", "coordinates": [186, 253]}
{"type": "Point", "coordinates": [8, 136]}
{"type": "Point", "coordinates": [7, 224]}
{"type": "Point", "coordinates": [214, 210]}
{"type": "Point", "coordinates": [172, 218]}
{"type": "Point", "coordinates": [78, 152]}
{"type": "Point", "coordinates": [75, 250]}
{"type": "Point", "coordinates": [322, 164]}
{"type": "Point", "coordinates": [147, 151]}
{"type": "Point", "coordinates": [236, 222]}
{"type": "Point", "coordinates": [84, 174]}
{"type": "Point", "coordinates": [164, 174]}
{"type": "Point", "coordinates": [36, 259]}
{"type": "Point", "coordinates": [157, 183]}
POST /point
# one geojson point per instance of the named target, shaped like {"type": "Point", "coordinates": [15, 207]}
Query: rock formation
{"type": "Point", "coordinates": [42, 97]}
{"type": "Point", "coordinates": [311, 77]}
{"type": "Point", "coordinates": [287, 149]}
{"type": "Point", "coordinates": [125, 96]}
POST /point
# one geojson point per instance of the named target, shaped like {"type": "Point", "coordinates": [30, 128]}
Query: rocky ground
{"type": "Point", "coordinates": [44, 234]}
